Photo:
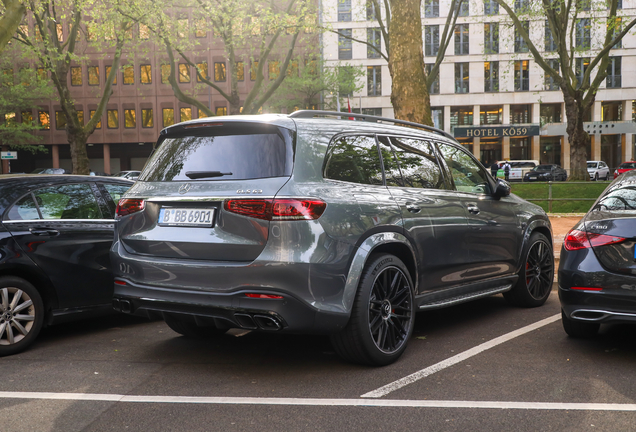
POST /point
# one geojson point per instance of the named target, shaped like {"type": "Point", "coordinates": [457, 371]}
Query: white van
{"type": "Point", "coordinates": [518, 168]}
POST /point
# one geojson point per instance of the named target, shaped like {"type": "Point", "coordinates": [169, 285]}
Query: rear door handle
{"type": "Point", "coordinates": [472, 208]}
{"type": "Point", "coordinates": [43, 232]}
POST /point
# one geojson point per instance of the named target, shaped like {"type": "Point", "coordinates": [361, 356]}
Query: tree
{"type": "Point", "coordinates": [55, 55]}
{"type": "Point", "coordinates": [251, 33]}
{"type": "Point", "coordinates": [304, 86]}
{"type": "Point", "coordinates": [21, 90]}
{"type": "Point", "coordinates": [563, 65]}
{"type": "Point", "coordinates": [401, 29]}
{"type": "Point", "coordinates": [13, 13]}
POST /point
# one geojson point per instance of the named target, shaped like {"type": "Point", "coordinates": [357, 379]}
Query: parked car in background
{"type": "Point", "coordinates": [624, 167]}
{"type": "Point", "coordinates": [518, 169]}
{"type": "Point", "coordinates": [50, 171]}
{"type": "Point", "coordinates": [54, 243]}
{"type": "Point", "coordinates": [598, 170]}
{"type": "Point", "coordinates": [290, 223]}
{"type": "Point", "coordinates": [597, 270]}
{"type": "Point", "coordinates": [132, 175]}
{"type": "Point", "coordinates": [546, 172]}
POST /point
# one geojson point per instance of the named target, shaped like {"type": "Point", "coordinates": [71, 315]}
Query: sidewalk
{"type": "Point", "coordinates": [561, 225]}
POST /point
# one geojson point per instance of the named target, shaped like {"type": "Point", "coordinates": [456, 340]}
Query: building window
{"type": "Point", "coordinates": [145, 71]}
{"type": "Point", "coordinates": [431, 40]}
{"type": "Point", "coordinates": [464, 9]}
{"type": "Point", "coordinates": [199, 29]}
{"type": "Point", "coordinates": [144, 32]}
{"type": "Point", "coordinates": [550, 113]}
{"type": "Point", "coordinates": [240, 71]}
{"type": "Point", "coordinates": [273, 69]}
{"type": "Point", "coordinates": [461, 78]}
{"type": "Point", "coordinates": [491, 38]}
{"type": "Point", "coordinates": [27, 117]}
{"type": "Point", "coordinates": [42, 74]}
{"type": "Point", "coordinates": [461, 116]}
{"type": "Point", "coordinates": [583, 5]}
{"type": "Point", "coordinates": [431, 9]}
{"type": "Point", "coordinates": [613, 79]}
{"type": "Point", "coordinates": [60, 32]}
{"type": "Point", "coordinates": [221, 111]}
{"type": "Point", "coordinates": [129, 74]}
{"type": "Point", "coordinates": [168, 117]}
{"type": "Point", "coordinates": [93, 75]}
{"type": "Point", "coordinates": [184, 73]}
{"type": "Point", "coordinates": [344, 10]}
{"type": "Point", "coordinates": [371, 12]}
{"type": "Point", "coordinates": [146, 118]}
{"type": "Point", "coordinates": [165, 74]}
{"type": "Point", "coordinates": [437, 114]}
{"type": "Point", "coordinates": [130, 118]}
{"type": "Point", "coordinates": [521, 45]}
{"type": "Point", "coordinates": [615, 26]}
{"type": "Point", "coordinates": [374, 41]}
{"type": "Point", "coordinates": [254, 70]}
{"type": "Point", "coordinates": [580, 67]}
{"type": "Point", "coordinates": [521, 6]}
{"type": "Point", "coordinates": [491, 77]}
{"type": "Point", "coordinates": [344, 44]}
{"type": "Point", "coordinates": [491, 7]}
{"type": "Point", "coordinates": [60, 120]}
{"type": "Point", "coordinates": [182, 27]}
{"type": "Point", "coordinates": [76, 75]}
{"type": "Point", "coordinates": [80, 116]}
{"type": "Point", "coordinates": [550, 44]}
{"type": "Point", "coordinates": [611, 111]}
{"type": "Point", "coordinates": [44, 119]}
{"type": "Point", "coordinates": [461, 39]}
{"type": "Point", "coordinates": [548, 81]}
{"type": "Point", "coordinates": [219, 72]}
{"type": "Point", "coordinates": [491, 115]}
{"type": "Point", "coordinates": [202, 69]}
{"type": "Point", "coordinates": [108, 68]}
{"type": "Point", "coordinates": [522, 75]}
{"type": "Point", "coordinates": [374, 80]}
{"type": "Point", "coordinates": [112, 117]}
{"type": "Point", "coordinates": [185, 114]}
{"type": "Point", "coordinates": [520, 114]}
{"type": "Point", "coordinates": [99, 123]}
{"type": "Point", "coordinates": [434, 87]}
{"type": "Point", "coordinates": [583, 35]}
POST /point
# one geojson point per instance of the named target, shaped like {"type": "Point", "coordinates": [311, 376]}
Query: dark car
{"type": "Point", "coordinates": [290, 223]}
{"type": "Point", "coordinates": [55, 235]}
{"type": "Point", "coordinates": [597, 271]}
{"type": "Point", "coordinates": [546, 172]}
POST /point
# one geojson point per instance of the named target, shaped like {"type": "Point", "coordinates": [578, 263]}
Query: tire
{"type": "Point", "coordinates": [21, 315]}
{"type": "Point", "coordinates": [186, 326]}
{"type": "Point", "coordinates": [382, 316]}
{"type": "Point", "coordinates": [536, 275]}
{"type": "Point", "coordinates": [596, 177]}
{"type": "Point", "coordinates": [579, 329]}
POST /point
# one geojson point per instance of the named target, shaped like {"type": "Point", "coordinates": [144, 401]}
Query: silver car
{"type": "Point", "coordinates": [291, 223]}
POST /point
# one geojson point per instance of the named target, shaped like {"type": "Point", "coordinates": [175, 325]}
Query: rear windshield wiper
{"type": "Point", "coordinates": [205, 174]}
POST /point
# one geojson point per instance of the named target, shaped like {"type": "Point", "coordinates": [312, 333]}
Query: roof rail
{"type": "Point", "coordinates": [366, 117]}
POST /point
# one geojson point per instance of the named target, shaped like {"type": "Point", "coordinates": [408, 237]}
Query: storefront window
{"type": "Point", "coordinates": [550, 113]}
{"type": "Point", "coordinates": [520, 114]}
{"type": "Point", "coordinates": [520, 148]}
{"type": "Point", "coordinates": [491, 115]}
{"type": "Point", "coordinates": [437, 113]}
{"type": "Point", "coordinates": [611, 151]}
{"type": "Point", "coordinates": [550, 150]}
{"type": "Point", "coordinates": [612, 111]}
{"type": "Point", "coordinates": [461, 116]}
{"type": "Point", "coordinates": [490, 151]}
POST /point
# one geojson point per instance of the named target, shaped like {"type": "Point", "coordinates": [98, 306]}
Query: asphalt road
{"type": "Point", "coordinates": [481, 366]}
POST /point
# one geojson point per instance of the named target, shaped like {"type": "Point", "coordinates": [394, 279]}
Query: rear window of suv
{"type": "Point", "coordinates": [225, 152]}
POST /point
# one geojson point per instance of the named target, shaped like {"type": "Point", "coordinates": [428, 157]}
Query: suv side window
{"type": "Point", "coordinates": [468, 175]}
{"type": "Point", "coordinates": [419, 163]}
{"type": "Point", "coordinates": [354, 159]}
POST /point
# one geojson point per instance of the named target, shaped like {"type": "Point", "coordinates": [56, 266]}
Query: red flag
{"type": "Point", "coordinates": [349, 107]}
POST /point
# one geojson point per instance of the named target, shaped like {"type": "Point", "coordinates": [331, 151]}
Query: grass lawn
{"type": "Point", "coordinates": [534, 191]}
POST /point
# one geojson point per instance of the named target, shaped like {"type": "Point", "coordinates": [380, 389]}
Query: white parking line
{"type": "Point", "coordinates": [320, 402]}
{"type": "Point", "coordinates": [396, 385]}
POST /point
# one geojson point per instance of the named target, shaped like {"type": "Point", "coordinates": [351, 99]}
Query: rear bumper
{"type": "Point", "coordinates": [234, 309]}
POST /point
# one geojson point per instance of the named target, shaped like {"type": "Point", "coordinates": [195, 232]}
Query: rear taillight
{"type": "Point", "coordinates": [284, 209]}
{"type": "Point", "coordinates": [128, 206]}
{"type": "Point", "coordinates": [576, 240]}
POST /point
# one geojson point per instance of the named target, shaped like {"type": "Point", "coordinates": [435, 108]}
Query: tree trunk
{"type": "Point", "coordinates": [235, 103]}
{"type": "Point", "coordinates": [578, 138]}
{"type": "Point", "coordinates": [79, 156]}
{"type": "Point", "coordinates": [409, 93]}
{"type": "Point", "coordinates": [14, 12]}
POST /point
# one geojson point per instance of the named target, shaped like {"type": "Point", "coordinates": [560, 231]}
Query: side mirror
{"type": "Point", "coordinates": [502, 189]}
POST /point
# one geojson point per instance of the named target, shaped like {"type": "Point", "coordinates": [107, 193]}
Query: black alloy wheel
{"type": "Point", "coordinates": [536, 275]}
{"type": "Point", "coordinates": [382, 317]}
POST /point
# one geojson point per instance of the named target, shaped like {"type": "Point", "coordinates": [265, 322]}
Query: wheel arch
{"type": "Point", "coordinates": [39, 281]}
{"type": "Point", "coordinates": [383, 242]}
{"type": "Point", "coordinates": [537, 225]}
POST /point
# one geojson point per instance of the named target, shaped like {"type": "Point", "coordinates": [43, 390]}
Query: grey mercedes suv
{"type": "Point", "coordinates": [306, 223]}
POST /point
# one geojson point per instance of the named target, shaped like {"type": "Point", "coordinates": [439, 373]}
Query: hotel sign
{"type": "Point", "coordinates": [496, 131]}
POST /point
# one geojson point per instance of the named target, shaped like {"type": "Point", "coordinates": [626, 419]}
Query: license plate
{"type": "Point", "coordinates": [186, 217]}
